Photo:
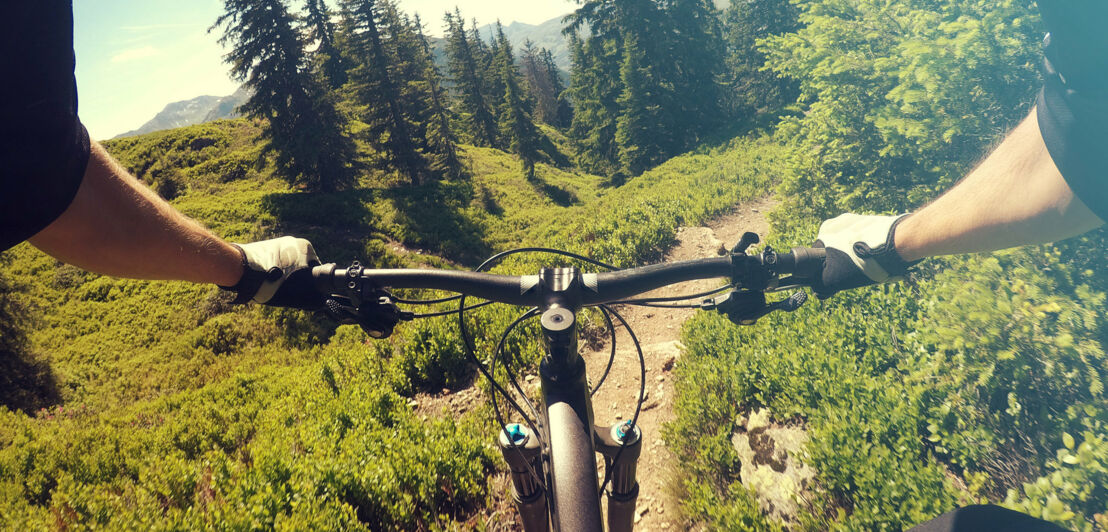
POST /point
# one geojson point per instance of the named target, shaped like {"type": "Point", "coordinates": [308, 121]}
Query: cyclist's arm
{"type": "Point", "coordinates": [1049, 179]}
{"type": "Point", "coordinates": [117, 226]}
{"type": "Point", "coordinates": [1016, 196]}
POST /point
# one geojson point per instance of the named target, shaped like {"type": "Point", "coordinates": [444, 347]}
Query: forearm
{"type": "Point", "coordinates": [116, 226]}
{"type": "Point", "coordinates": [1015, 197]}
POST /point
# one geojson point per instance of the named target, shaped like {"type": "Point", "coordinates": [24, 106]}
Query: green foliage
{"type": "Point", "coordinates": [1026, 335]}
{"type": "Point", "coordinates": [734, 509]}
{"type": "Point", "coordinates": [441, 141]}
{"type": "Point", "coordinates": [429, 355]}
{"type": "Point", "coordinates": [383, 43]}
{"type": "Point", "coordinates": [1073, 489]}
{"type": "Point", "coordinates": [691, 61]}
{"type": "Point", "coordinates": [635, 132]}
{"type": "Point", "coordinates": [670, 57]}
{"type": "Point", "coordinates": [637, 221]}
{"type": "Point", "coordinates": [594, 89]}
{"type": "Point", "coordinates": [517, 125]}
{"type": "Point", "coordinates": [271, 450]}
{"type": "Point", "coordinates": [226, 149]}
{"type": "Point", "coordinates": [829, 367]}
{"type": "Point", "coordinates": [467, 72]}
{"type": "Point", "coordinates": [327, 58]}
{"type": "Point", "coordinates": [900, 98]}
{"type": "Point", "coordinates": [980, 382]}
{"type": "Point", "coordinates": [26, 382]}
{"type": "Point", "coordinates": [544, 81]}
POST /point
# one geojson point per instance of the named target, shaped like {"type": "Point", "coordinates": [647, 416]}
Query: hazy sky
{"type": "Point", "coordinates": [135, 56]}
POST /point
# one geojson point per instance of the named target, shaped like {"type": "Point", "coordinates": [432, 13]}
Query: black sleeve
{"type": "Point", "coordinates": [43, 146]}
{"type": "Point", "coordinates": [985, 517]}
{"type": "Point", "coordinates": [1073, 106]}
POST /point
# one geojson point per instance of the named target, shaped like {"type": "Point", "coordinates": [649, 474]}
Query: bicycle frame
{"type": "Point", "coordinates": [570, 439]}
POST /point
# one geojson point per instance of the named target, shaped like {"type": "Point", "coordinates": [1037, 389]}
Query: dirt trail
{"type": "Point", "coordinates": [659, 332]}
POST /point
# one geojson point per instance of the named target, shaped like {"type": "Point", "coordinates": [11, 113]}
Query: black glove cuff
{"type": "Point", "coordinates": [886, 254]}
{"type": "Point", "coordinates": [249, 284]}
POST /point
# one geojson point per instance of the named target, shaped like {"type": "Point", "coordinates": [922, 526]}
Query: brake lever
{"type": "Point", "coordinates": [747, 307]}
{"type": "Point", "coordinates": [366, 305]}
{"type": "Point", "coordinates": [377, 316]}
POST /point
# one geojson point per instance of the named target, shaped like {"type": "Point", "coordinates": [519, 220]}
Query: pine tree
{"type": "Point", "coordinates": [322, 31]}
{"type": "Point", "coordinates": [466, 71]}
{"type": "Point", "coordinates": [492, 84]}
{"type": "Point", "coordinates": [677, 61]}
{"type": "Point", "coordinates": [545, 85]}
{"type": "Point", "coordinates": [373, 85]}
{"type": "Point", "coordinates": [408, 69]}
{"type": "Point", "coordinates": [522, 137]}
{"type": "Point", "coordinates": [691, 63]}
{"type": "Point", "coordinates": [439, 135]}
{"type": "Point", "coordinates": [750, 88]}
{"type": "Point", "coordinates": [564, 114]}
{"type": "Point", "coordinates": [594, 89]}
{"type": "Point", "coordinates": [303, 127]}
{"type": "Point", "coordinates": [635, 128]}
{"type": "Point", "coordinates": [596, 85]}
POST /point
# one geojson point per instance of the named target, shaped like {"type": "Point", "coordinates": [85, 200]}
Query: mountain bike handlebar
{"type": "Point", "coordinates": [752, 272]}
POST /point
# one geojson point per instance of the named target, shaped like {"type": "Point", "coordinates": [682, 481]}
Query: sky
{"type": "Point", "coordinates": [136, 56]}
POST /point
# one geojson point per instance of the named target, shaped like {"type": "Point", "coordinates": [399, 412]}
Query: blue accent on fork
{"type": "Point", "coordinates": [516, 433]}
{"type": "Point", "coordinates": [625, 428]}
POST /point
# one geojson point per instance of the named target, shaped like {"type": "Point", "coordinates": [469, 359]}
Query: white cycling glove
{"type": "Point", "coordinates": [278, 272]}
{"type": "Point", "coordinates": [860, 251]}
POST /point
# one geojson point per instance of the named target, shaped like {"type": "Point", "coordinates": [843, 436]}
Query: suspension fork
{"type": "Point", "coordinates": [624, 490]}
{"type": "Point", "coordinates": [570, 439]}
{"type": "Point", "coordinates": [523, 453]}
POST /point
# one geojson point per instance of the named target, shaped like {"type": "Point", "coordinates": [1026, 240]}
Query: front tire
{"type": "Point", "coordinates": [574, 497]}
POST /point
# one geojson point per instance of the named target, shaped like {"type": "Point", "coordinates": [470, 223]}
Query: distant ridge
{"type": "Point", "coordinates": [195, 111]}
{"type": "Point", "coordinates": [546, 35]}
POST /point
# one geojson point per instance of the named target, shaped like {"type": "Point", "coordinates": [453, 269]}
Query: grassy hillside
{"type": "Point", "coordinates": [157, 404]}
{"type": "Point", "coordinates": [134, 404]}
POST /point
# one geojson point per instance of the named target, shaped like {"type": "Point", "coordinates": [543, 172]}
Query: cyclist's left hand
{"type": "Point", "coordinates": [277, 272]}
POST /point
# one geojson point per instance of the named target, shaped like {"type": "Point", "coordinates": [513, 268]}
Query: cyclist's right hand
{"type": "Point", "coordinates": [278, 272]}
{"type": "Point", "coordinates": [860, 252]}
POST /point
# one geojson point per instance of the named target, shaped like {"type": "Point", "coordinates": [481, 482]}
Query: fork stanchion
{"type": "Point", "coordinates": [624, 488]}
{"type": "Point", "coordinates": [523, 453]}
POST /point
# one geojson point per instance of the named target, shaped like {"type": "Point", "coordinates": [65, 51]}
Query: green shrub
{"type": "Point", "coordinates": [1075, 488]}
{"type": "Point", "coordinates": [975, 374]}
{"type": "Point", "coordinates": [899, 99]}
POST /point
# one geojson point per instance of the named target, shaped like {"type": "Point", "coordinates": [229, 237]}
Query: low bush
{"type": "Point", "coordinates": [918, 398]}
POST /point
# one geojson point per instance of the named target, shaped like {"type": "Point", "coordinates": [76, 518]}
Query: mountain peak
{"type": "Point", "coordinates": [194, 111]}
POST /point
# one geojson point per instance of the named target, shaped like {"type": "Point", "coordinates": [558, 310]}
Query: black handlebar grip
{"type": "Point", "coordinates": [808, 262]}
{"type": "Point", "coordinates": [323, 278]}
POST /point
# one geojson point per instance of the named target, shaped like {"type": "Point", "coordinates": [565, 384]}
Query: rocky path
{"type": "Point", "coordinates": [659, 332]}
